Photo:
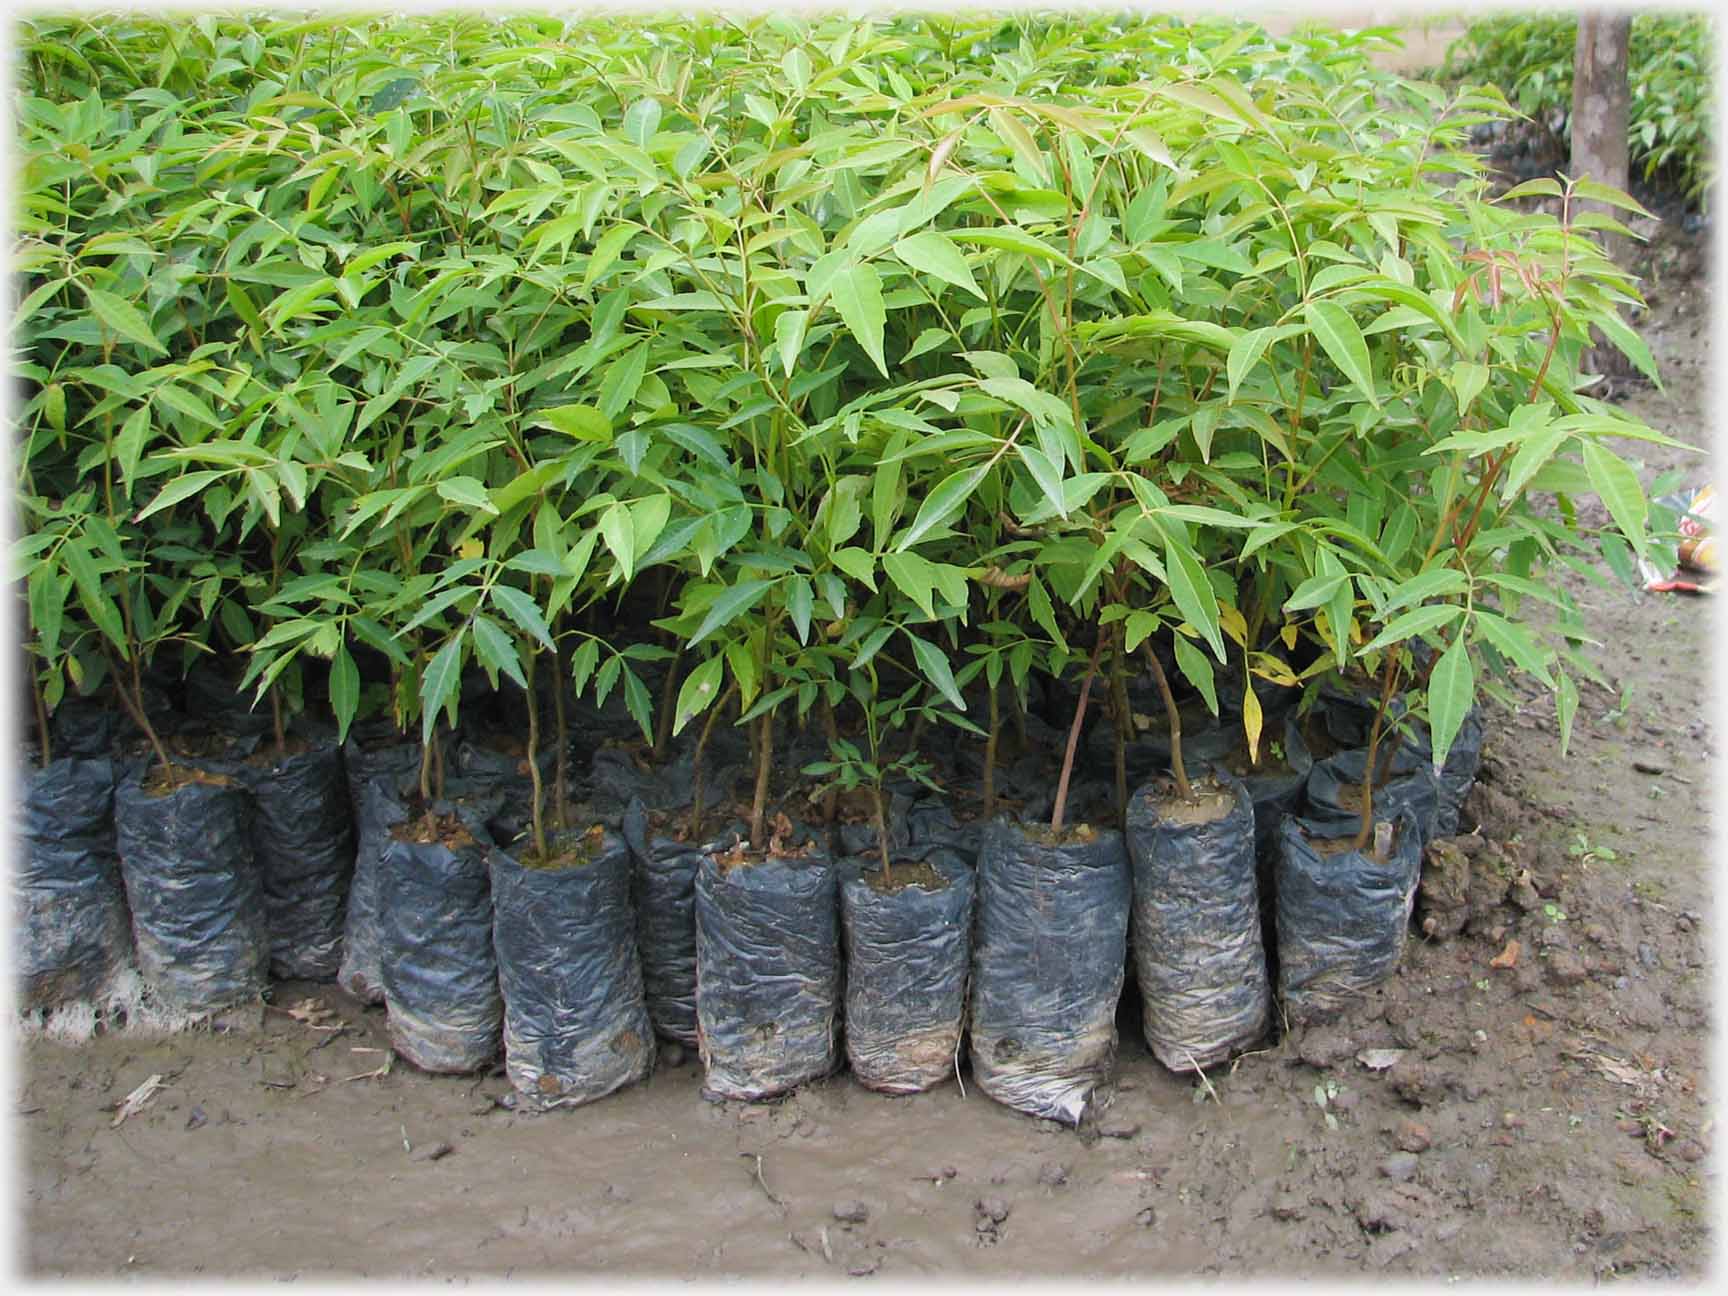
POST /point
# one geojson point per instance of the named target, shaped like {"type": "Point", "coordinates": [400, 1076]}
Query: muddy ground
{"type": "Point", "coordinates": [1549, 1119]}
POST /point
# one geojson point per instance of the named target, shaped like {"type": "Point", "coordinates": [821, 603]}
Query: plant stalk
{"type": "Point", "coordinates": [1367, 826]}
{"type": "Point", "coordinates": [1061, 806]}
{"type": "Point", "coordinates": [1174, 718]}
{"type": "Point", "coordinates": [990, 752]}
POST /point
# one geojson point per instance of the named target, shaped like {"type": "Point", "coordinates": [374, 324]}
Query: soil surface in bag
{"type": "Point", "coordinates": [1333, 797]}
{"type": "Point", "coordinates": [73, 931]}
{"type": "Point", "coordinates": [1276, 785]}
{"type": "Point", "coordinates": [1342, 913]}
{"type": "Point", "coordinates": [663, 893]}
{"type": "Point", "coordinates": [303, 840]}
{"type": "Point", "coordinates": [1048, 966]}
{"type": "Point", "coordinates": [908, 957]}
{"type": "Point", "coordinates": [575, 1023]}
{"type": "Point", "coordinates": [439, 970]}
{"type": "Point", "coordinates": [767, 972]}
{"type": "Point", "coordinates": [192, 884]}
{"type": "Point", "coordinates": [1198, 955]}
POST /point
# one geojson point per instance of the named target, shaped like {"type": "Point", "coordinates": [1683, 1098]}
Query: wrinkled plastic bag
{"type": "Point", "coordinates": [303, 840]}
{"type": "Point", "coordinates": [664, 894]}
{"type": "Point", "coordinates": [1198, 953]}
{"type": "Point", "coordinates": [1277, 786]}
{"type": "Point", "coordinates": [379, 808]}
{"type": "Point", "coordinates": [192, 884]}
{"type": "Point", "coordinates": [1335, 783]}
{"type": "Point", "coordinates": [767, 973]}
{"type": "Point", "coordinates": [1342, 917]}
{"type": "Point", "coordinates": [439, 971]}
{"type": "Point", "coordinates": [908, 957]}
{"type": "Point", "coordinates": [1048, 968]}
{"type": "Point", "coordinates": [575, 1022]}
{"type": "Point", "coordinates": [74, 933]}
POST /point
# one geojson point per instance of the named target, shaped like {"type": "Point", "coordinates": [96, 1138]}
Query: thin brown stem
{"type": "Point", "coordinates": [668, 703]}
{"type": "Point", "coordinates": [1386, 684]}
{"type": "Point", "coordinates": [539, 792]}
{"type": "Point", "coordinates": [696, 768]}
{"type": "Point", "coordinates": [759, 800]}
{"type": "Point", "coordinates": [561, 720]}
{"type": "Point", "coordinates": [881, 833]}
{"type": "Point", "coordinates": [1174, 717]}
{"type": "Point", "coordinates": [1119, 707]}
{"type": "Point", "coordinates": [1074, 737]}
{"type": "Point", "coordinates": [990, 752]}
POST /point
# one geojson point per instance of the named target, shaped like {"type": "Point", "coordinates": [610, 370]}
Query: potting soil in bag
{"type": "Point", "coordinates": [74, 933]}
{"type": "Point", "coordinates": [664, 899]}
{"type": "Point", "coordinates": [303, 839]}
{"type": "Point", "coordinates": [439, 970]}
{"type": "Point", "coordinates": [1335, 788]}
{"type": "Point", "coordinates": [192, 884]}
{"type": "Point", "coordinates": [908, 955]}
{"type": "Point", "coordinates": [575, 1022]}
{"type": "Point", "coordinates": [381, 807]}
{"type": "Point", "coordinates": [1198, 953]}
{"type": "Point", "coordinates": [1342, 913]}
{"type": "Point", "coordinates": [1048, 968]}
{"type": "Point", "coordinates": [767, 973]}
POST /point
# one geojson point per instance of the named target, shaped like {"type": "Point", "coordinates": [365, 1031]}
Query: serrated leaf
{"type": "Point", "coordinates": [438, 686]}
{"type": "Point", "coordinates": [1415, 622]}
{"type": "Point", "coordinates": [493, 649]}
{"type": "Point", "coordinates": [1618, 487]}
{"type": "Point", "coordinates": [698, 692]}
{"type": "Point", "coordinates": [344, 691]}
{"type": "Point", "coordinates": [733, 603]}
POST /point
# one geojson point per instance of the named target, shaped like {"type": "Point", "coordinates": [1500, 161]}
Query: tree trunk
{"type": "Point", "coordinates": [1601, 104]}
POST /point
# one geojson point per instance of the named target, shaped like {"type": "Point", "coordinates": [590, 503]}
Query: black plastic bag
{"type": "Point", "coordinates": [303, 839]}
{"type": "Point", "coordinates": [908, 956]}
{"type": "Point", "coordinates": [74, 933]}
{"type": "Point", "coordinates": [380, 808]}
{"type": "Point", "coordinates": [767, 973]}
{"type": "Point", "coordinates": [1335, 786]}
{"type": "Point", "coordinates": [663, 892]}
{"type": "Point", "coordinates": [1198, 953]}
{"type": "Point", "coordinates": [1343, 915]}
{"type": "Point", "coordinates": [192, 884]}
{"type": "Point", "coordinates": [82, 727]}
{"type": "Point", "coordinates": [575, 1022]}
{"type": "Point", "coordinates": [439, 970]}
{"type": "Point", "coordinates": [1048, 968]}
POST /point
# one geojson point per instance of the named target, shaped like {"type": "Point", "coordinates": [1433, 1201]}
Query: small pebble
{"type": "Point", "coordinates": [1413, 1136]}
{"type": "Point", "coordinates": [1400, 1167]}
{"type": "Point", "coordinates": [673, 1054]}
{"type": "Point", "coordinates": [431, 1151]}
{"type": "Point", "coordinates": [851, 1212]}
{"type": "Point", "coordinates": [1119, 1130]}
{"type": "Point", "coordinates": [1052, 1174]}
{"type": "Point", "coordinates": [993, 1209]}
{"type": "Point", "coordinates": [1647, 955]}
{"type": "Point", "coordinates": [1147, 1217]}
{"type": "Point", "coordinates": [1566, 968]}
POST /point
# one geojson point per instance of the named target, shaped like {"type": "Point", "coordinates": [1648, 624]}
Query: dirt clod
{"type": "Point", "coordinates": [1409, 1078]}
{"type": "Point", "coordinates": [994, 1210]}
{"type": "Point", "coordinates": [431, 1151]}
{"type": "Point", "coordinates": [1399, 1167]}
{"type": "Point", "coordinates": [1566, 968]}
{"type": "Point", "coordinates": [1413, 1136]}
{"type": "Point", "coordinates": [851, 1212]}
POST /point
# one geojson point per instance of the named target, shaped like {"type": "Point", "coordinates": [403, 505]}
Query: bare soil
{"type": "Point", "coordinates": [1526, 1099]}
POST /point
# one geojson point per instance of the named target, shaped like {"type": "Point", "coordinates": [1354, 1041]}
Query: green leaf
{"type": "Point", "coordinates": [914, 578]}
{"type": "Point", "coordinates": [1451, 693]}
{"type": "Point", "coordinates": [1515, 643]}
{"type": "Point", "coordinates": [619, 533]}
{"type": "Point", "coordinates": [124, 319]}
{"type": "Point", "coordinates": [936, 254]}
{"type": "Point", "coordinates": [789, 329]}
{"type": "Point", "coordinates": [934, 663]}
{"type": "Point", "coordinates": [468, 492]}
{"type": "Point", "coordinates": [524, 612]}
{"type": "Point", "coordinates": [800, 604]}
{"type": "Point", "coordinates": [856, 563]}
{"type": "Point", "coordinates": [1617, 485]}
{"type": "Point", "coordinates": [1314, 591]}
{"type": "Point", "coordinates": [1468, 380]}
{"type": "Point", "coordinates": [698, 692]}
{"type": "Point", "coordinates": [732, 604]}
{"type": "Point", "coordinates": [1343, 341]}
{"type": "Point", "coordinates": [1565, 706]}
{"type": "Point", "coordinates": [1245, 353]}
{"type": "Point", "coordinates": [941, 504]}
{"type": "Point", "coordinates": [1415, 622]}
{"type": "Point", "coordinates": [583, 422]}
{"type": "Point", "coordinates": [438, 685]}
{"type": "Point", "coordinates": [641, 120]}
{"type": "Point", "coordinates": [344, 690]}
{"type": "Point", "coordinates": [180, 488]}
{"type": "Point", "coordinates": [1046, 474]}
{"type": "Point", "coordinates": [493, 649]}
{"type": "Point", "coordinates": [1193, 593]}
{"type": "Point", "coordinates": [856, 291]}
{"type": "Point", "coordinates": [1193, 664]}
